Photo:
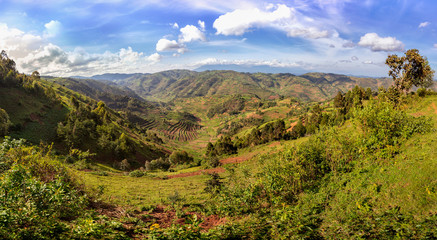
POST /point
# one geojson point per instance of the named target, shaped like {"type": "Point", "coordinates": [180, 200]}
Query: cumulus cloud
{"type": "Point", "coordinates": [32, 52]}
{"type": "Point", "coordinates": [278, 16]}
{"type": "Point", "coordinates": [52, 28]}
{"type": "Point", "coordinates": [17, 43]}
{"type": "Point", "coordinates": [424, 24]}
{"type": "Point", "coordinates": [154, 58]}
{"type": "Point", "coordinates": [377, 43]}
{"type": "Point", "coordinates": [191, 33]}
{"type": "Point", "coordinates": [175, 25]}
{"type": "Point", "coordinates": [164, 45]}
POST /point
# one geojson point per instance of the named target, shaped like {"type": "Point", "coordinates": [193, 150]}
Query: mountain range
{"type": "Point", "coordinates": [168, 85]}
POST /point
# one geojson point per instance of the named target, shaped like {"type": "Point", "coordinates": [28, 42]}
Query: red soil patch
{"type": "Point", "coordinates": [238, 159]}
{"type": "Point", "coordinates": [435, 107]}
{"type": "Point", "coordinates": [292, 126]}
{"type": "Point", "coordinates": [165, 217]}
{"type": "Point", "coordinates": [274, 144]}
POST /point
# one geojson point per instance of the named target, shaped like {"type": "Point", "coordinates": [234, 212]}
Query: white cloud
{"type": "Point", "coordinates": [154, 58]}
{"type": "Point", "coordinates": [424, 24]}
{"type": "Point", "coordinates": [435, 45]}
{"type": "Point", "coordinates": [368, 62]}
{"type": "Point", "coordinates": [53, 28]}
{"type": "Point", "coordinates": [244, 62]}
{"type": "Point", "coordinates": [240, 21]}
{"type": "Point", "coordinates": [377, 43]}
{"type": "Point", "coordinates": [164, 45]}
{"type": "Point", "coordinates": [354, 58]}
{"type": "Point", "coordinates": [129, 56]}
{"type": "Point", "coordinates": [191, 33]}
{"type": "Point", "coordinates": [175, 25]}
{"type": "Point", "coordinates": [201, 25]}
{"type": "Point", "coordinates": [31, 52]}
{"type": "Point", "coordinates": [279, 17]}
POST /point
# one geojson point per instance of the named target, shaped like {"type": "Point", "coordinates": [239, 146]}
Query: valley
{"type": "Point", "coordinates": [216, 155]}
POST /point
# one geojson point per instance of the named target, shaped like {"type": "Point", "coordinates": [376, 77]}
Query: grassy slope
{"type": "Point", "coordinates": [408, 181]}
{"type": "Point", "coordinates": [37, 116]}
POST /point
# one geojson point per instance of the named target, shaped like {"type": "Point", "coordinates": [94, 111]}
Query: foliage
{"type": "Point", "coordinates": [4, 122]}
{"type": "Point", "coordinates": [214, 184]}
{"type": "Point", "coordinates": [180, 157]}
{"type": "Point", "coordinates": [136, 173]}
{"type": "Point", "coordinates": [410, 70]}
{"type": "Point", "coordinates": [384, 126]}
{"type": "Point", "coordinates": [223, 146]}
{"type": "Point", "coordinates": [300, 193]}
{"type": "Point", "coordinates": [231, 106]}
{"type": "Point", "coordinates": [159, 163]}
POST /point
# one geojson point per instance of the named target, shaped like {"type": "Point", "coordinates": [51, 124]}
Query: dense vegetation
{"type": "Point", "coordinates": [37, 110]}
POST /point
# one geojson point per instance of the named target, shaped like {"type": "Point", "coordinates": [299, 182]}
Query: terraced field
{"type": "Point", "coordinates": [182, 131]}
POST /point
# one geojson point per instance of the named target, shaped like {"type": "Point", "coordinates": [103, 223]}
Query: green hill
{"type": "Point", "coordinates": [42, 111]}
{"type": "Point", "coordinates": [227, 156]}
{"type": "Point", "coordinates": [165, 86]}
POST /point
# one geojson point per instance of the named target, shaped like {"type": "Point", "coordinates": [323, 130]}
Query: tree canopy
{"type": "Point", "coordinates": [410, 70]}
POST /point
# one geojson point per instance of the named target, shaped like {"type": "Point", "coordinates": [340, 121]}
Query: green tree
{"type": "Point", "coordinates": [180, 157]}
{"type": "Point", "coordinates": [410, 70]}
{"type": "Point", "coordinates": [4, 122]}
{"type": "Point", "coordinates": [35, 75]}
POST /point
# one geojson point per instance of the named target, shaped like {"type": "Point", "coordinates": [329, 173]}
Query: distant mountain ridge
{"type": "Point", "coordinates": [168, 85]}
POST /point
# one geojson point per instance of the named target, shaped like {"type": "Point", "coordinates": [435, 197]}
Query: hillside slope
{"type": "Point", "coordinates": [165, 86]}
{"type": "Point", "coordinates": [41, 111]}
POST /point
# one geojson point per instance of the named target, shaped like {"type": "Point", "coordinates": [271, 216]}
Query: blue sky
{"type": "Point", "coordinates": [68, 38]}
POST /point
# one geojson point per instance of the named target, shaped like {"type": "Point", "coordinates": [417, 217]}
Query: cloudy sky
{"type": "Point", "coordinates": [86, 37]}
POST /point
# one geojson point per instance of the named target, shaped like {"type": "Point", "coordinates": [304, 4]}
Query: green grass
{"type": "Point", "coordinates": [37, 116]}
{"type": "Point", "coordinates": [148, 190]}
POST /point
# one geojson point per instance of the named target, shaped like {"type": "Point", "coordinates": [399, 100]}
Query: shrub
{"type": "Point", "coordinates": [385, 126]}
{"type": "Point", "coordinates": [214, 184]}
{"type": "Point", "coordinates": [136, 173]}
{"type": "Point", "coordinates": [4, 122]}
{"type": "Point", "coordinates": [180, 157]}
{"type": "Point", "coordinates": [159, 163]}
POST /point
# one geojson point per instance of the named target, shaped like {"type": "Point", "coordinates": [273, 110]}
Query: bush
{"type": "Point", "coordinates": [385, 126]}
{"type": "Point", "coordinates": [4, 122]}
{"type": "Point", "coordinates": [421, 92]}
{"type": "Point", "coordinates": [213, 162]}
{"type": "Point", "coordinates": [136, 173]}
{"type": "Point", "coordinates": [180, 157]}
{"type": "Point", "coordinates": [159, 163]}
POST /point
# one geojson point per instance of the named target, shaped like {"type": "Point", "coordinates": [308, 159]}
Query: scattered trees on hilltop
{"type": "Point", "coordinates": [409, 70]}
